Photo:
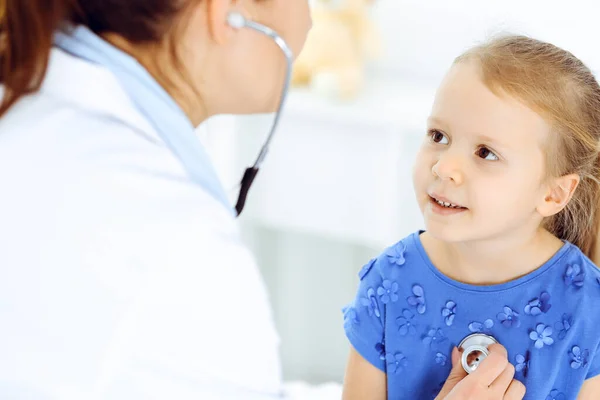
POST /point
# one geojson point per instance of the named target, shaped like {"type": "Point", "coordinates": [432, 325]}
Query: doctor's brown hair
{"type": "Point", "coordinates": [560, 88]}
{"type": "Point", "coordinates": [27, 27]}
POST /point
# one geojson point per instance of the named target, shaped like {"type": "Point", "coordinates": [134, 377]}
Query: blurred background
{"type": "Point", "coordinates": [336, 187]}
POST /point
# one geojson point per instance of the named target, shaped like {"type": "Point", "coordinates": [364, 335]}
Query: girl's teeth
{"type": "Point", "coordinates": [445, 204]}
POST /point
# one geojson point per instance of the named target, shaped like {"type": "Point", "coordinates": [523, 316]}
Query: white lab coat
{"type": "Point", "coordinates": [119, 277]}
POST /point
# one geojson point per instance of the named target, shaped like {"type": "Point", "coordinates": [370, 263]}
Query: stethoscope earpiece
{"type": "Point", "coordinates": [236, 20]}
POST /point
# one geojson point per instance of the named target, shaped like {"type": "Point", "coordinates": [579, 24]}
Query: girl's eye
{"type": "Point", "coordinates": [438, 137]}
{"type": "Point", "coordinates": [487, 154]}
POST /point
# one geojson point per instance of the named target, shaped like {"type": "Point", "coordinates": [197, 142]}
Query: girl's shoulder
{"type": "Point", "coordinates": [578, 272]}
{"type": "Point", "coordinates": [395, 259]}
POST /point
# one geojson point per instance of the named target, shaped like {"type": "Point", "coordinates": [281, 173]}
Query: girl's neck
{"type": "Point", "coordinates": [493, 261]}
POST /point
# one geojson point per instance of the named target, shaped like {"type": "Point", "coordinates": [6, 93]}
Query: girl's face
{"type": "Point", "coordinates": [483, 156]}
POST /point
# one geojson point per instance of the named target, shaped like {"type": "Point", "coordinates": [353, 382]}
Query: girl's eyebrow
{"type": "Point", "coordinates": [490, 140]}
{"type": "Point", "coordinates": [435, 121]}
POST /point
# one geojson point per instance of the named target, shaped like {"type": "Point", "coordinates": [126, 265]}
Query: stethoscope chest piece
{"type": "Point", "coordinates": [474, 350]}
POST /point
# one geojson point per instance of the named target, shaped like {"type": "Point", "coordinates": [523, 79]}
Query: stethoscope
{"type": "Point", "coordinates": [474, 350]}
{"type": "Point", "coordinates": [238, 21]}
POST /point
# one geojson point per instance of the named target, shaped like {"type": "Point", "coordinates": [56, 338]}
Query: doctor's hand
{"type": "Point", "coordinates": [492, 380]}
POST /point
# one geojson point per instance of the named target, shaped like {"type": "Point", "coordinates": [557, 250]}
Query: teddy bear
{"type": "Point", "coordinates": [342, 41]}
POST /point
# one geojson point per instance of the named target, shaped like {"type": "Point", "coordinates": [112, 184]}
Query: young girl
{"type": "Point", "coordinates": [507, 180]}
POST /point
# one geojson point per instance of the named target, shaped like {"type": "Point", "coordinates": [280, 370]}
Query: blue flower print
{"type": "Point", "coordinates": [433, 337]}
{"type": "Point", "coordinates": [388, 292]}
{"type": "Point", "coordinates": [395, 254]}
{"type": "Point", "coordinates": [478, 327]}
{"type": "Point", "coordinates": [366, 268]}
{"type": "Point", "coordinates": [380, 347]}
{"type": "Point", "coordinates": [449, 312]}
{"type": "Point", "coordinates": [509, 318]}
{"type": "Point", "coordinates": [406, 324]}
{"type": "Point", "coordinates": [579, 358]}
{"type": "Point", "coordinates": [396, 362]}
{"type": "Point", "coordinates": [351, 314]}
{"type": "Point", "coordinates": [541, 336]}
{"type": "Point", "coordinates": [371, 303]}
{"type": "Point", "coordinates": [538, 305]}
{"type": "Point", "coordinates": [522, 363]}
{"type": "Point", "coordinates": [440, 359]}
{"type": "Point", "coordinates": [574, 276]}
{"type": "Point", "coordinates": [418, 300]}
{"type": "Point", "coordinates": [556, 395]}
{"type": "Point", "coordinates": [563, 326]}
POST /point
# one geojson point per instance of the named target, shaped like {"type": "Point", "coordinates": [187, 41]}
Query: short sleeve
{"type": "Point", "coordinates": [591, 333]}
{"type": "Point", "coordinates": [364, 317]}
{"type": "Point", "coordinates": [594, 369]}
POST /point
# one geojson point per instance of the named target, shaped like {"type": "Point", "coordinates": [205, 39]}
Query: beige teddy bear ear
{"type": "Point", "coordinates": [337, 48]}
{"type": "Point", "coordinates": [328, 4]}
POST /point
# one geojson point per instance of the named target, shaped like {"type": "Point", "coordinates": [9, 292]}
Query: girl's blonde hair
{"type": "Point", "coordinates": [559, 87]}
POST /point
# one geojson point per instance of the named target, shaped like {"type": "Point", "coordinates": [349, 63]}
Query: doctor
{"type": "Point", "coordinates": [122, 272]}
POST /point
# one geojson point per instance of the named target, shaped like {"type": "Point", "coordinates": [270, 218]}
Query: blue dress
{"type": "Point", "coordinates": [407, 316]}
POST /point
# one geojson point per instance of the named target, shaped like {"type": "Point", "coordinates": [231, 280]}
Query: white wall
{"type": "Point", "coordinates": [423, 37]}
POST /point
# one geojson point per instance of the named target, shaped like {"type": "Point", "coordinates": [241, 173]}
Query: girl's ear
{"type": "Point", "coordinates": [560, 191]}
